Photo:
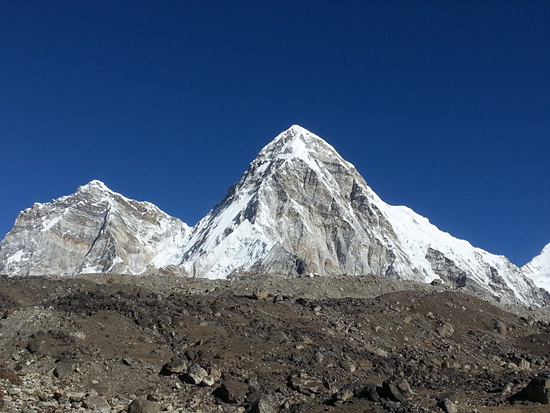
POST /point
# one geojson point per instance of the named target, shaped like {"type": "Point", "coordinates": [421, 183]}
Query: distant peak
{"type": "Point", "coordinates": [292, 139]}
{"type": "Point", "coordinates": [95, 185]}
{"type": "Point", "coordinates": [297, 129]}
{"type": "Point", "coordinates": [298, 143]}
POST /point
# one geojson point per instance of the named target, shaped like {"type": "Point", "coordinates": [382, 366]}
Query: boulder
{"type": "Point", "coordinates": [538, 390]}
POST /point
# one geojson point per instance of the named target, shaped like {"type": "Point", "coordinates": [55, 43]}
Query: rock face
{"type": "Point", "coordinates": [300, 209]}
{"type": "Point", "coordinates": [94, 230]}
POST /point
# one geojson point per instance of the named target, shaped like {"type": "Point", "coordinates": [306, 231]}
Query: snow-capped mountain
{"type": "Point", "coordinates": [299, 209]}
{"type": "Point", "coordinates": [538, 269]}
{"type": "Point", "coordinates": [94, 230]}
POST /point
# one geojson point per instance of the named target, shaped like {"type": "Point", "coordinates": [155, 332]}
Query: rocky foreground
{"type": "Point", "coordinates": [105, 343]}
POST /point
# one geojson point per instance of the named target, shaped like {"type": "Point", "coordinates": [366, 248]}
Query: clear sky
{"type": "Point", "coordinates": [443, 106]}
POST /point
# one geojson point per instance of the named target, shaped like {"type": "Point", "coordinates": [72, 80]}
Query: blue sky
{"type": "Point", "coordinates": [442, 106]}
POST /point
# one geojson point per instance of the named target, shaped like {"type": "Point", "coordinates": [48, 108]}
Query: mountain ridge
{"type": "Point", "coordinates": [300, 209]}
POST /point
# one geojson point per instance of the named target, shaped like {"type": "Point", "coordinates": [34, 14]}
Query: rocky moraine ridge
{"type": "Point", "coordinates": [300, 209]}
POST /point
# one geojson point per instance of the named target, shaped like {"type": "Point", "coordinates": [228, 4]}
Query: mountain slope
{"type": "Point", "coordinates": [93, 230]}
{"type": "Point", "coordinates": [538, 269]}
{"type": "Point", "coordinates": [302, 209]}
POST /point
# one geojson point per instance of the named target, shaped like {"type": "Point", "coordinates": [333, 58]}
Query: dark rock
{"type": "Point", "coordinates": [370, 392]}
{"type": "Point", "coordinates": [300, 407]}
{"type": "Point", "coordinates": [265, 404]}
{"type": "Point", "coordinates": [232, 391]}
{"type": "Point", "coordinates": [143, 406]}
{"type": "Point", "coordinates": [177, 366]}
{"type": "Point", "coordinates": [392, 392]}
{"type": "Point", "coordinates": [538, 390]}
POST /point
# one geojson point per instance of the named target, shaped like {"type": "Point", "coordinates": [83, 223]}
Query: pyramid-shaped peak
{"type": "Point", "coordinates": [297, 129]}
{"type": "Point", "coordinates": [298, 142]}
{"type": "Point", "coordinates": [95, 185]}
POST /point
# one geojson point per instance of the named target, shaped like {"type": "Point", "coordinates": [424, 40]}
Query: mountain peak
{"type": "Point", "coordinates": [538, 269]}
{"type": "Point", "coordinates": [299, 143]}
{"type": "Point", "coordinates": [95, 185]}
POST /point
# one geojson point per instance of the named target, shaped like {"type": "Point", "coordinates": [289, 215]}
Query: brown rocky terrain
{"type": "Point", "coordinates": [112, 343]}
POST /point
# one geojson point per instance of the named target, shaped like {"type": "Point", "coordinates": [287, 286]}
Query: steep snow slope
{"type": "Point", "coordinates": [539, 269]}
{"type": "Point", "coordinates": [300, 208]}
{"type": "Point", "coordinates": [92, 230]}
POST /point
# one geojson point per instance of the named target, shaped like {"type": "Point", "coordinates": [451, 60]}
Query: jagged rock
{"type": "Point", "coordinates": [143, 406]}
{"type": "Point", "coordinates": [348, 366]}
{"type": "Point", "coordinates": [524, 365]}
